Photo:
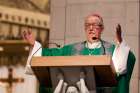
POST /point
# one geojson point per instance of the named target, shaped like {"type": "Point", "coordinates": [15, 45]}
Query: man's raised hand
{"type": "Point", "coordinates": [118, 34]}
{"type": "Point", "coordinates": [28, 36]}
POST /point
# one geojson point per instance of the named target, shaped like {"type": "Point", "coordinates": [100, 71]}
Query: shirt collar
{"type": "Point", "coordinates": [93, 45]}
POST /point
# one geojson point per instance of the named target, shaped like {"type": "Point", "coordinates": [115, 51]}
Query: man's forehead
{"type": "Point", "coordinates": [93, 19]}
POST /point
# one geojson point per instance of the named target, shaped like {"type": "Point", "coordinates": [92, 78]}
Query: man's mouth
{"type": "Point", "coordinates": [94, 38]}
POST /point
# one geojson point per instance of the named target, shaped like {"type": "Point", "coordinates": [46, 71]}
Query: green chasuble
{"type": "Point", "coordinates": [81, 49]}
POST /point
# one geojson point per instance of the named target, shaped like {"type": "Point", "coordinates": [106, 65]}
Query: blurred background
{"type": "Point", "coordinates": [59, 22]}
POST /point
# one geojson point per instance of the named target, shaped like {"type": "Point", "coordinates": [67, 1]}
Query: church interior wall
{"type": "Point", "coordinates": [67, 24]}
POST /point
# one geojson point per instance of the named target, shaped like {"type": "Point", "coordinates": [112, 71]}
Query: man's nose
{"type": "Point", "coordinates": [91, 28]}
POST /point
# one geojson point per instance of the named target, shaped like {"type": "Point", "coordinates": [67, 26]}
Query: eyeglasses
{"type": "Point", "coordinates": [95, 26]}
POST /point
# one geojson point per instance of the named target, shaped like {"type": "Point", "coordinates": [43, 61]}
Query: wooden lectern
{"type": "Point", "coordinates": [104, 69]}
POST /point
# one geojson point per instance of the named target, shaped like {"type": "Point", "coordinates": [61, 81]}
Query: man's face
{"type": "Point", "coordinates": [93, 28]}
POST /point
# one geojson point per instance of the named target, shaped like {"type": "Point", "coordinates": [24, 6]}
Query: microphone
{"type": "Point", "coordinates": [28, 69]}
{"type": "Point", "coordinates": [57, 45]}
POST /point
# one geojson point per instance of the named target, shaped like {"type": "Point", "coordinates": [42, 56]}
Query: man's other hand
{"type": "Point", "coordinates": [28, 36]}
{"type": "Point", "coordinates": [118, 34]}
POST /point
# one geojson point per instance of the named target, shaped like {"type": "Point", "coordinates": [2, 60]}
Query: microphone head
{"type": "Point", "coordinates": [58, 46]}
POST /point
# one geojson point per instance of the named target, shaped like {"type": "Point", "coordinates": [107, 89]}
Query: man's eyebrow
{"type": "Point", "coordinates": [94, 23]}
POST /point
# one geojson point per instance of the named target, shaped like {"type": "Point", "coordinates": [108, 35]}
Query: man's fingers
{"type": "Point", "coordinates": [118, 33]}
{"type": "Point", "coordinates": [24, 34]}
{"type": "Point", "coordinates": [119, 27]}
{"type": "Point", "coordinates": [27, 36]}
{"type": "Point", "coordinates": [29, 31]}
{"type": "Point", "coordinates": [118, 30]}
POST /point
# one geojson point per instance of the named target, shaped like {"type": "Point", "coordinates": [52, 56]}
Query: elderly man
{"type": "Point", "coordinates": [122, 57]}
